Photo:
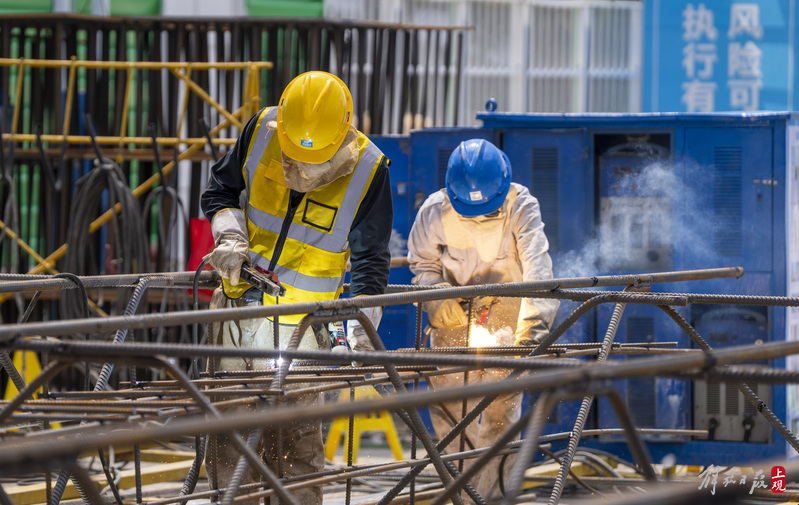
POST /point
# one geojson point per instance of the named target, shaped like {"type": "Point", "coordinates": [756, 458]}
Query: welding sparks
{"type": "Point", "coordinates": [479, 336]}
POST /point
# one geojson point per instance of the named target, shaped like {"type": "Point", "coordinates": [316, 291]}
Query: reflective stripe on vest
{"type": "Point", "coordinates": [324, 249]}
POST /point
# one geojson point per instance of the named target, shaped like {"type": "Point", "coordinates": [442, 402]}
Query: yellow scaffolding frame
{"type": "Point", "coordinates": [182, 70]}
{"type": "Point", "coordinates": [251, 99]}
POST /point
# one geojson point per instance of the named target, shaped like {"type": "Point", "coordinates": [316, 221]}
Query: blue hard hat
{"type": "Point", "coordinates": [478, 178]}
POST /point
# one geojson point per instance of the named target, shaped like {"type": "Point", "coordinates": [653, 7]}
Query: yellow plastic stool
{"type": "Point", "coordinates": [371, 421]}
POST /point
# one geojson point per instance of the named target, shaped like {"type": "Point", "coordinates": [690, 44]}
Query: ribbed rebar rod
{"type": "Point", "coordinates": [11, 370]}
{"type": "Point", "coordinates": [746, 372]}
{"type": "Point", "coordinates": [582, 415]}
{"type": "Point", "coordinates": [48, 446]}
{"type": "Point", "coordinates": [518, 349]}
{"type": "Point", "coordinates": [487, 400]}
{"type": "Point", "coordinates": [452, 489]}
{"type": "Point", "coordinates": [612, 280]}
{"type": "Point", "coordinates": [241, 468]}
{"type": "Point", "coordinates": [544, 404]}
{"type": "Point", "coordinates": [634, 442]}
{"type": "Point", "coordinates": [315, 369]}
{"type": "Point", "coordinates": [750, 395]}
{"type": "Point", "coordinates": [455, 471]}
{"type": "Point", "coordinates": [416, 421]}
{"type": "Point", "coordinates": [254, 459]}
{"type": "Point", "coordinates": [130, 309]}
{"type": "Point", "coordinates": [714, 299]}
{"type": "Point", "coordinates": [191, 317]}
{"type": "Point", "coordinates": [20, 283]}
{"type": "Point", "coordinates": [47, 373]}
{"type": "Point", "coordinates": [96, 408]}
{"type": "Point", "coordinates": [82, 481]}
{"type": "Point", "coordinates": [567, 323]}
{"type": "Point", "coordinates": [17, 421]}
{"type": "Point", "coordinates": [97, 351]}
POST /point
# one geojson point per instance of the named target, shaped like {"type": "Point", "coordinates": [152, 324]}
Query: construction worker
{"type": "Point", "coordinates": [481, 229]}
{"type": "Point", "coordinates": [316, 194]}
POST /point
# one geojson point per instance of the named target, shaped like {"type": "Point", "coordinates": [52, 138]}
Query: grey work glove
{"type": "Point", "coordinates": [356, 334]}
{"type": "Point", "coordinates": [525, 340]}
{"type": "Point", "coordinates": [446, 314]}
{"type": "Point", "coordinates": [232, 249]}
{"type": "Point", "coordinates": [532, 335]}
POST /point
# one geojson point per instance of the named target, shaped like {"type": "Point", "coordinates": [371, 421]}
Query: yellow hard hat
{"type": "Point", "coordinates": [313, 117]}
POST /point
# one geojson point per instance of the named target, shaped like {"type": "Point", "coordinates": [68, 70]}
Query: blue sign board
{"type": "Point", "coordinates": [719, 55]}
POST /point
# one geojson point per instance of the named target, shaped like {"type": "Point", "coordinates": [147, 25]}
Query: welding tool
{"type": "Point", "coordinates": [263, 280]}
{"type": "Point", "coordinates": [482, 309]}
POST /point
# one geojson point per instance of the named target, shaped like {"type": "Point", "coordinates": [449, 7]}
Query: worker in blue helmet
{"type": "Point", "coordinates": [481, 229]}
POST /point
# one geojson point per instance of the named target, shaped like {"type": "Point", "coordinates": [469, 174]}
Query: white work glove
{"type": "Point", "coordinates": [446, 314]}
{"type": "Point", "coordinates": [232, 246]}
{"type": "Point", "coordinates": [356, 335]}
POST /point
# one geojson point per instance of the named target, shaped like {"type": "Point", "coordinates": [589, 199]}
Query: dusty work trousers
{"type": "Point", "coordinates": [500, 415]}
{"type": "Point", "coordinates": [302, 445]}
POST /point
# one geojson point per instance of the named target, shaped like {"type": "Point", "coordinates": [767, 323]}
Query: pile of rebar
{"type": "Point", "coordinates": [50, 436]}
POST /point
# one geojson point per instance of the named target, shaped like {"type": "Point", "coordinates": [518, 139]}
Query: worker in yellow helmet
{"type": "Point", "coordinates": [315, 194]}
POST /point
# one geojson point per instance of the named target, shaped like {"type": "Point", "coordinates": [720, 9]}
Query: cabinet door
{"type": "Point", "coordinates": [430, 152]}
{"type": "Point", "coordinates": [554, 165]}
{"type": "Point", "coordinates": [735, 197]}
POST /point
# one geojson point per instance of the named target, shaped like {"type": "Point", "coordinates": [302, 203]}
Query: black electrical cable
{"type": "Point", "coordinates": [125, 246]}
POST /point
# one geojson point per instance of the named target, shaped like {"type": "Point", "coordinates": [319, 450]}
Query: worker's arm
{"type": "Point", "coordinates": [426, 243]}
{"type": "Point", "coordinates": [220, 203]}
{"type": "Point", "coordinates": [536, 314]}
{"type": "Point", "coordinates": [425, 246]}
{"type": "Point", "coordinates": [369, 237]}
{"type": "Point", "coordinates": [227, 178]}
{"type": "Point", "coordinates": [370, 259]}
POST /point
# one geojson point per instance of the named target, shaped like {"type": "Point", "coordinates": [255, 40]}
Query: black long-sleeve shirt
{"type": "Point", "coordinates": [370, 232]}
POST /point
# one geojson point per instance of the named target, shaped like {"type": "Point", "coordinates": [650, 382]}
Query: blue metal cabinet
{"type": "Point", "coordinates": [397, 323]}
{"type": "Point", "coordinates": [739, 193]}
{"type": "Point", "coordinates": [554, 166]}
{"type": "Point", "coordinates": [430, 151]}
{"type": "Point", "coordinates": [653, 402]}
{"type": "Point", "coordinates": [719, 199]}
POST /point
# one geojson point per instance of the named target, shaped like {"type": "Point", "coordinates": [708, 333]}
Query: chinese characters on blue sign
{"type": "Point", "coordinates": [733, 56]}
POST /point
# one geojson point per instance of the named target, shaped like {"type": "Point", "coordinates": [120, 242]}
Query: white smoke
{"type": "Point", "coordinates": [397, 245]}
{"type": "Point", "coordinates": [686, 229]}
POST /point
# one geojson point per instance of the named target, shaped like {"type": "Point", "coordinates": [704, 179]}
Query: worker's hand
{"type": "Point", "coordinates": [526, 340]}
{"type": "Point", "coordinates": [228, 256]}
{"type": "Point", "coordinates": [530, 336]}
{"type": "Point", "coordinates": [446, 314]}
{"type": "Point", "coordinates": [229, 227]}
{"type": "Point", "coordinates": [356, 334]}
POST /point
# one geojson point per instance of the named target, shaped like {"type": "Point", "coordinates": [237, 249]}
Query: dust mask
{"type": "Point", "coordinates": [304, 177]}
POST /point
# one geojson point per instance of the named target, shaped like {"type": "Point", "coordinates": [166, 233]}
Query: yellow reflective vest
{"type": "Point", "coordinates": [310, 240]}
